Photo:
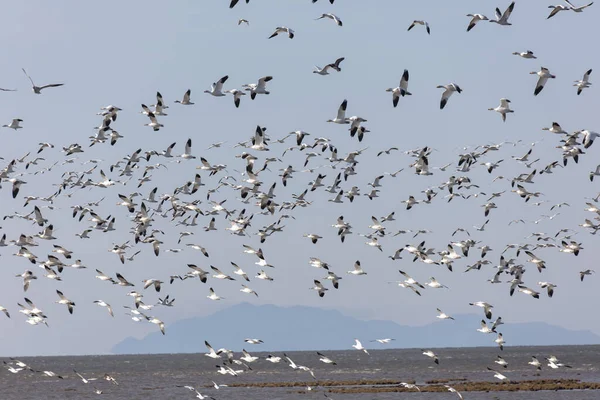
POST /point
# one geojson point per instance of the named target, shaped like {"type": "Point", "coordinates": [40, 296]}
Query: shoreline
{"type": "Point", "coordinates": [460, 384]}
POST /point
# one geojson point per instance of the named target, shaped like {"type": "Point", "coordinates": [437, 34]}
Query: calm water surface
{"type": "Point", "coordinates": [157, 376]}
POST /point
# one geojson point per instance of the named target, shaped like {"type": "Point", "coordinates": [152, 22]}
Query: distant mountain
{"type": "Point", "coordinates": [308, 328]}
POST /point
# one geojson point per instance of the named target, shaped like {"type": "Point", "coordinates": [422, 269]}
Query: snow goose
{"type": "Point", "coordinates": [247, 357]}
{"type": "Point", "coordinates": [548, 286]}
{"type": "Point", "coordinates": [154, 124]}
{"type": "Point", "coordinates": [341, 114]}
{"type": "Point", "coordinates": [535, 362]}
{"type": "Point", "coordinates": [63, 300]}
{"type": "Point", "coordinates": [498, 375]}
{"type": "Point", "coordinates": [431, 354]}
{"type": "Point", "coordinates": [331, 276]}
{"type": "Point", "coordinates": [213, 295]}
{"type": "Point", "coordinates": [38, 89]}
{"type": "Point", "coordinates": [452, 390]}
{"type": "Point", "coordinates": [273, 359]}
{"type": "Point", "coordinates": [487, 308]}
{"type": "Point", "coordinates": [580, 8]}
{"type": "Point", "coordinates": [320, 289]}
{"type": "Point", "coordinates": [502, 19]}
{"type": "Point", "coordinates": [220, 275]}
{"type": "Point", "coordinates": [152, 282]}
{"type": "Point", "coordinates": [358, 346]}
{"type": "Point", "coordinates": [331, 17]}
{"type": "Point", "coordinates": [216, 89]}
{"type": "Point", "coordinates": [416, 22]}
{"type": "Point", "coordinates": [102, 303]}
{"type": "Point", "coordinates": [357, 269]}
{"type": "Point", "coordinates": [258, 88]}
{"type": "Point", "coordinates": [556, 128]}
{"type": "Point", "coordinates": [443, 315]}
{"type": "Point", "coordinates": [433, 283]}
{"type": "Point", "coordinates": [14, 124]}
{"type": "Point", "coordinates": [484, 328]}
{"type": "Point", "coordinates": [283, 29]}
{"type": "Point", "coordinates": [543, 74]}
{"type": "Point", "coordinates": [246, 289]}
{"type": "Point", "coordinates": [503, 108]}
{"type": "Point", "coordinates": [186, 98]}
{"type": "Point", "coordinates": [582, 274]}
{"type": "Point", "coordinates": [325, 70]}
{"type": "Point", "coordinates": [211, 352]}
{"type": "Point", "coordinates": [383, 341]}
{"type": "Point", "coordinates": [237, 95]}
{"type": "Point", "coordinates": [525, 54]}
{"type": "Point", "coordinates": [187, 155]}
{"type": "Point", "coordinates": [475, 18]}
{"type": "Point", "coordinates": [401, 90]}
{"type": "Point", "coordinates": [448, 91]}
{"type": "Point", "coordinates": [557, 9]}
{"type": "Point", "coordinates": [325, 359]}
{"type": "Point", "coordinates": [584, 83]}
{"type": "Point", "coordinates": [500, 341]}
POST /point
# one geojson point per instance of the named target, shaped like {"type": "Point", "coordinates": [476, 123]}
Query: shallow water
{"type": "Point", "coordinates": [157, 376]}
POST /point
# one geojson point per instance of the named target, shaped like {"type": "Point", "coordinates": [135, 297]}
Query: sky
{"type": "Point", "coordinates": [121, 53]}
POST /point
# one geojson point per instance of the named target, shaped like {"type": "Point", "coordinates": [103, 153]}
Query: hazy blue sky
{"type": "Point", "coordinates": [121, 53]}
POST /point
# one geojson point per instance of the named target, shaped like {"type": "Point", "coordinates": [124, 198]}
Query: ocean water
{"type": "Point", "coordinates": [158, 376]}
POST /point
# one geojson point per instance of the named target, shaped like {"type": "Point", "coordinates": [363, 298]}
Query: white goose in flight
{"type": "Point", "coordinates": [543, 74]}
{"type": "Point", "coordinates": [448, 91]}
{"type": "Point", "coordinates": [580, 8]}
{"type": "Point", "coordinates": [247, 357]}
{"type": "Point", "coordinates": [283, 29]}
{"type": "Point", "coordinates": [525, 54]}
{"type": "Point", "coordinates": [357, 269]}
{"type": "Point", "coordinates": [557, 9]}
{"type": "Point", "coordinates": [443, 315]}
{"type": "Point", "coordinates": [14, 124]}
{"type": "Point", "coordinates": [154, 124]}
{"type": "Point", "coordinates": [417, 22]}
{"type": "Point", "coordinates": [584, 83]}
{"type": "Point", "coordinates": [319, 288]}
{"type": "Point", "coordinates": [431, 354]}
{"type": "Point", "coordinates": [325, 70]}
{"type": "Point", "coordinates": [38, 89]}
{"type": "Point", "coordinates": [258, 88]}
{"type": "Point", "coordinates": [401, 90]}
{"type": "Point", "coordinates": [237, 95]}
{"type": "Point", "coordinates": [502, 19]}
{"type": "Point", "coordinates": [498, 375]}
{"type": "Point", "coordinates": [475, 18]}
{"type": "Point", "coordinates": [503, 108]}
{"type": "Point", "coordinates": [211, 352]}
{"type": "Point", "coordinates": [63, 300]}
{"type": "Point", "coordinates": [358, 346]}
{"type": "Point", "coordinates": [487, 308]}
{"type": "Point", "coordinates": [341, 114]}
{"type": "Point", "coordinates": [331, 17]}
{"type": "Point", "coordinates": [216, 89]}
{"type": "Point", "coordinates": [186, 98]}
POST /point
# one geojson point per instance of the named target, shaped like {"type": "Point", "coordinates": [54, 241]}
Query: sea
{"type": "Point", "coordinates": [162, 376]}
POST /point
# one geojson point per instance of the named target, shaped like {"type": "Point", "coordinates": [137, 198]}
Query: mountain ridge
{"type": "Point", "coordinates": [295, 329]}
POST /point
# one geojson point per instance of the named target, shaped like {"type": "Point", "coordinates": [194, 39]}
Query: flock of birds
{"type": "Point", "coordinates": [182, 207]}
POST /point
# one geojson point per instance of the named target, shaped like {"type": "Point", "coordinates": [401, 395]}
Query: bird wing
{"type": "Point", "coordinates": [31, 80]}
{"type": "Point", "coordinates": [341, 114]}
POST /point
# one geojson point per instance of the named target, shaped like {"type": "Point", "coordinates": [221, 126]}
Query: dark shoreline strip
{"type": "Point", "coordinates": [387, 386]}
